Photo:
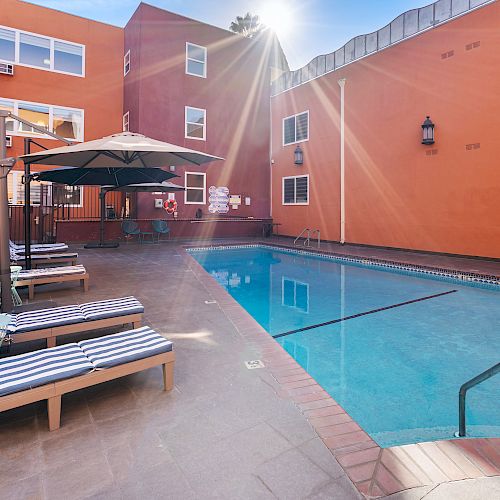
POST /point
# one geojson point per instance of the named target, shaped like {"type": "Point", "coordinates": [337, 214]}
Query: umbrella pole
{"type": "Point", "coordinates": [102, 195]}
{"type": "Point", "coordinates": [7, 304]}
{"type": "Point", "coordinates": [27, 206]}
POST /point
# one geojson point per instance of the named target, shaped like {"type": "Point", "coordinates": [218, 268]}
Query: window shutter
{"type": "Point", "coordinates": [302, 127]}
{"type": "Point", "coordinates": [289, 191]}
{"type": "Point", "coordinates": [301, 190]}
{"type": "Point", "coordinates": [289, 130]}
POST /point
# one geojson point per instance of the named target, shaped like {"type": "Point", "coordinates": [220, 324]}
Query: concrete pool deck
{"type": "Point", "coordinates": [225, 431]}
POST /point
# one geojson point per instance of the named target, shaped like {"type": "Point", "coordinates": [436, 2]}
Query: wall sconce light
{"type": "Point", "coordinates": [298, 156]}
{"type": "Point", "coordinates": [172, 168]}
{"type": "Point", "coordinates": [428, 131]}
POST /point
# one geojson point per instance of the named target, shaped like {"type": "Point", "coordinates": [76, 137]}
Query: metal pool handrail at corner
{"type": "Point", "coordinates": [490, 372]}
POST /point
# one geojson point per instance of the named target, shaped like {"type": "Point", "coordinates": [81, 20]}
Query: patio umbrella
{"type": "Point", "coordinates": [116, 176]}
{"type": "Point", "coordinates": [124, 150]}
{"type": "Point", "coordinates": [120, 150]}
{"type": "Point", "coordinates": [147, 187]}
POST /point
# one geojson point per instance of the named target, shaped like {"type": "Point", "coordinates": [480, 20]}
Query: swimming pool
{"type": "Point", "coordinates": [395, 348]}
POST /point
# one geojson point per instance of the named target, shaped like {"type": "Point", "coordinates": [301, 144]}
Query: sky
{"type": "Point", "coordinates": [306, 28]}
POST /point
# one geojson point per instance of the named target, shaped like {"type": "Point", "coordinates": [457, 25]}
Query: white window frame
{"type": "Point", "coordinates": [295, 190]}
{"type": "Point", "coordinates": [204, 202]}
{"type": "Point", "coordinates": [126, 122]}
{"type": "Point", "coordinates": [295, 283]}
{"type": "Point", "coordinates": [186, 136]}
{"type": "Point", "coordinates": [295, 135]}
{"type": "Point", "coordinates": [205, 62]}
{"type": "Point", "coordinates": [126, 60]}
{"type": "Point", "coordinates": [51, 107]}
{"type": "Point", "coordinates": [52, 40]}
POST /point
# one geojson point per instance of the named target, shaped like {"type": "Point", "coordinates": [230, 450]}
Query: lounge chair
{"type": "Point", "coordinates": [50, 373]}
{"type": "Point", "coordinates": [160, 227]}
{"type": "Point", "coordinates": [43, 276]}
{"type": "Point", "coordinates": [45, 258]}
{"type": "Point", "coordinates": [39, 248]}
{"type": "Point", "coordinates": [51, 323]}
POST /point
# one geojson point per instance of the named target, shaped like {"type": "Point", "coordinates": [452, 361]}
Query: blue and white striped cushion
{"type": "Point", "coordinates": [26, 274]}
{"type": "Point", "coordinates": [14, 256]}
{"type": "Point", "coordinates": [47, 318]}
{"type": "Point", "coordinates": [124, 347]}
{"type": "Point", "coordinates": [33, 369]}
{"type": "Point", "coordinates": [111, 308]}
{"type": "Point", "coordinates": [49, 247]}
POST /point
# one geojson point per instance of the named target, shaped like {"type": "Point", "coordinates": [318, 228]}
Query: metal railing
{"type": "Point", "coordinates": [490, 372]}
{"type": "Point", "coordinates": [307, 239]}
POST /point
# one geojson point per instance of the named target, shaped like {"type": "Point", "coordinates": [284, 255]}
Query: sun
{"type": "Point", "coordinates": [277, 17]}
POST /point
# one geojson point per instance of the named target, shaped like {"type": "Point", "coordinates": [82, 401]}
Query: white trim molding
{"type": "Point", "coordinates": [203, 61]}
{"type": "Point", "coordinates": [295, 190]}
{"type": "Point", "coordinates": [204, 188]}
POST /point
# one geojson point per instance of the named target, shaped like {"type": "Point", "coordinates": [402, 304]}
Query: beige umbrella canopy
{"type": "Point", "coordinates": [120, 150]}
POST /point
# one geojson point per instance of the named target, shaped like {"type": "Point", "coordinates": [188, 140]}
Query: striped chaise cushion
{"type": "Point", "coordinates": [48, 247]}
{"type": "Point", "coordinates": [33, 369]}
{"type": "Point", "coordinates": [27, 274]}
{"type": "Point", "coordinates": [14, 256]}
{"type": "Point", "coordinates": [110, 308]}
{"type": "Point", "coordinates": [47, 318]}
{"type": "Point", "coordinates": [124, 347]}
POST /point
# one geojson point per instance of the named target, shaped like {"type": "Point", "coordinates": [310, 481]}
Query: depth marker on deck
{"type": "Point", "coordinates": [362, 314]}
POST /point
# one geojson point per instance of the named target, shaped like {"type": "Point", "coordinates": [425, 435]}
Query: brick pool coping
{"type": "Point", "coordinates": [374, 471]}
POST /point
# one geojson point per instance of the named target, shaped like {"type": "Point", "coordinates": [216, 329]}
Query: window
{"type": "Point", "coordinates": [69, 196]}
{"type": "Point", "coordinates": [15, 189]}
{"type": "Point", "coordinates": [195, 123]}
{"type": "Point", "coordinates": [296, 190]}
{"type": "Point", "coordinates": [66, 122]}
{"type": "Point", "coordinates": [196, 60]}
{"type": "Point", "coordinates": [126, 122]}
{"type": "Point", "coordinates": [126, 63]}
{"type": "Point", "coordinates": [7, 45]}
{"type": "Point", "coordinates": [295, 294]}
{"type": "Point", "coordinates": [195, 184]}
{"type": "Point", "coordinates": [8, 105]}
{"type": "Point", "coordinates": [37, 51]}
{"type": "Point", "coordinates": [296, 128]}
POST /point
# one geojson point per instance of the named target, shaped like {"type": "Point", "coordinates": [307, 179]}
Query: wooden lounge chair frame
{"type": "Point", "coordinates": [83, 278]}
{"type": "Point", "coordinates": [52, 333]}
{"type": "Point", "coordinates": [52, 392]}
{"type": "Point", "coordinates": [43, 262]}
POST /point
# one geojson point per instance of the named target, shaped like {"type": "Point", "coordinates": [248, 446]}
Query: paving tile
{"type": "Point", "coordinates": [329, 420]}
{"type": "Point", "coordinates": [430, 469]}
{"type": "Point", "coordinates": [343, 440]}
{"type": "Point", "coordinates": [336, 430]}
{"type": "Point", "coordinates": [292, 475]}
{"type": "Point", "coordinates": [410, 464]}
{"type": "Point", "coordinates": [29, 488]}
{"type": "Point", "coordinates": [398, 470]}
{"type": "Point", "coordinates": [445, 463]}
{"type": "Point", "coordinates": [468, 489]}
{"type": "Point", "coordinates": [324, 412]}
{"type": "Point", "coordinates": [359, 457]}
{"type": "Point", "coordinates": [363, 472]}
{"type": "Point", "coordinates": [386, 481]}
{"type": "Point", "coordinates": [412, 494]}
{"type": "Point", "coordinates": [475, 456]}
{"type": "Point", "coordinates": [317, 452]}
{"type": "Point", "coordinates": [320, 403]}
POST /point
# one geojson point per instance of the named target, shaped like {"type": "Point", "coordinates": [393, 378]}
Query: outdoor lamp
{"type": "Point", "coordinates": [299, 156]}
{"type": "Point", "coordinates": [428, 131]}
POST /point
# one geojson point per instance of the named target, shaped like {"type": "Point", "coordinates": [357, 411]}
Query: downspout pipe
{"type": "Point", "coordinates": [341, 83]}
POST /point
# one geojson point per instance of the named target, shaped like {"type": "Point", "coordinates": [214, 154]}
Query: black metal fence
{"type": "Point", "coordinates": [51, 203]}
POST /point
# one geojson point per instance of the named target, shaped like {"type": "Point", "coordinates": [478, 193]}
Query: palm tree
{"type": "Point", "coordinates": [248, 26]}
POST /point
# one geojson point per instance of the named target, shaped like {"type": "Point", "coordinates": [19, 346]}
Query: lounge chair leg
{"type": "Point", "coordinates": [54, 409]}
{"type": "Point", "coordinates": [51, 341]}
{"type": "Point", "coordinates": [168, 376]}
{"type": "Point", "coordinates": [136, 324]}
{"type": "Point", "coordinates": [31, 292]}
{"type": "Point", "coordinates": [85, 284]}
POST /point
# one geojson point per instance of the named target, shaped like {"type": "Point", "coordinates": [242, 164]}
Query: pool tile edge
{"type": "Point", "coordinates": [374, 471]}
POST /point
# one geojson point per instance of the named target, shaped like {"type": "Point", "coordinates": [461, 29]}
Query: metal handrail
{"type": "Point", "coordinates": [318, 234]}
{"type": "Point", "coordinates": [463, 392]}
{"type": "Point", "coordinates": [301, 233]}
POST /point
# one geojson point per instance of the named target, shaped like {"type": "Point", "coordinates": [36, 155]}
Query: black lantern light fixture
{"type": "Point", "coordinates": [298, 155]}
{"type": "Point", "coordinates": [428, 131]}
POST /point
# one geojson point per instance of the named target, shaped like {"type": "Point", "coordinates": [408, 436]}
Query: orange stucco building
{"type": "Point", "coordinates": [398, 192]}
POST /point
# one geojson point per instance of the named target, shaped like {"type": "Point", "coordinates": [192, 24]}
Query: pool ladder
{"type": "Point", "coordinates": [308, 234]}
{"type": "Point", "coordinates": [463, 392]}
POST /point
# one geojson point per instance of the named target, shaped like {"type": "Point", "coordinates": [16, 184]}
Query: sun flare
{"type": "Point", "coordinates": [277, 17]}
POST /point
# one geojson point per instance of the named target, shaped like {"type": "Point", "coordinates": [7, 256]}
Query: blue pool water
{"type": "Point", "coordinates": [396, 372]}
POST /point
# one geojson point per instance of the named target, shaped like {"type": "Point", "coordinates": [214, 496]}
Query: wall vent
{"type": "Point", "coordinates": [470, 147]}
{"type": "Point", "coordinates": [473, 45]}
{"type": "Point", "coordinates": [6, 69]}
{"type": "Point", "coordinates": [431, 152]}
{"type": "Point", "coordinates": [448, 54]}
{"type": "Point", "coordinates": [8, 141]}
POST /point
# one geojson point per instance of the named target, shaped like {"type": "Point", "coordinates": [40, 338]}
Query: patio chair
{"type": "Point", "coordinates": [130, 228]}
{"type": "Point", "coordinates": [47, 374]}
{"type": "Point", "coordinates": [53, 322]}
{"type": "Point", "coordinates": [14, 274]}
{"type": "Point", "coordinates": [33, 277]}
{"type": "Point", "coordinates": [160, 227]}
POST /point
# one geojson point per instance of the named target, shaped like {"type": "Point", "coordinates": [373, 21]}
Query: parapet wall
{"type": "Point", "coordinates": [406, 25]}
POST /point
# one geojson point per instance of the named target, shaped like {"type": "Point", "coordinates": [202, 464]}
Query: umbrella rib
{"type": "Point", "coordinates": [90, 161]}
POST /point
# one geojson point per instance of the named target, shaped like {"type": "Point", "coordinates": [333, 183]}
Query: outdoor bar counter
{"type": "Point", "coordinates": [83, 230]}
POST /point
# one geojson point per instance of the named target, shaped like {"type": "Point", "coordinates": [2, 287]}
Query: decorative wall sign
{"type": "Point", "coordinates": [218, 198]}
{"type": "Point", "coordinates": [235, 199]}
